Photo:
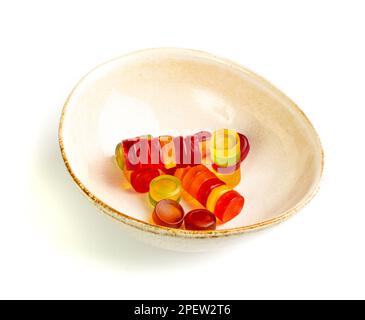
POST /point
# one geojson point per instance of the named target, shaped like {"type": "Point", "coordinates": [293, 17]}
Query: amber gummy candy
{"type": "Point", "coordinates": [168, 213]}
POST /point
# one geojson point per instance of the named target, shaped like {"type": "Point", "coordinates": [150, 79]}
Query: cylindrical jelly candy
{"type": "Point", "coordinates": [181, 151]}
{"type": "Point", "coordinates": [227, 161]}
{"type": "Point", "coordinates": [200, 219]}
{"type": "Point", "coordinates": [211, 192]}
{"type": "Point", "coordinates": [244, 146]}
{"type": "Point", "coordinates": [119, 156]}
{"type": "Point", "coordinates": [229, 170]}
{"type": "Point", "coordinates": [229, 205]}
{"type": "Point", "coordinates": [165, 187]}
{"type": "Point", "coordinates": [229, 167]}
{"type": "Point", "coordinates": [120, 160]}
{"type": "Point", "coordinates": [225, 147]}
{"type": "Point", "coordinates": [197, 181]}
{"type": "Point", "coordinates": [187, 151]}
{"type": "Point", "coordinates": [167, 151]}
{"type": "Point", "coordinates": [140, 179]}
{"type": "Point", "coordinates": [132, 153]}
{"type": "Point", "coordinates": [204, 145]}
{"type": "Point", "coordinates": [190, 174]}
{"type": "Point", "coordinates": [203, 135]}
{"type": "Point", "coordinates": [206, 188]}
{"type": "Point", "coordinates": [244, 150]}
{"type": "Point", "coordinates": [226, 170]}
{"type": "Point", "coordinates": [231, 179]}
{"type": "Point", "coordinates": [154, 154]}
{"type": "Point", "coordinates": [193, 143]}
{"type": "Point", "coordinates": [168, 213]}
{"type": "Point", "coordinates": [214, 195]}
{"type": "Point", "coordinates": [142, 152]}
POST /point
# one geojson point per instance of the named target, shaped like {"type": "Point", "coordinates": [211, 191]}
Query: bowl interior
{"type": "Point", "coordinates": [172, 91]}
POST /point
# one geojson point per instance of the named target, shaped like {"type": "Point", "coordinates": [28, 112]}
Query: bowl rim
{"type": "Point", "coordinates": [161, 230]}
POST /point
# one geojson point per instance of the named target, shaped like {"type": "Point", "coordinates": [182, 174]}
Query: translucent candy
{"type": "Point", "coordinates": [244, 150]}
{"type": "Point", "coordinates": [140, 179]}
{"type": "Point", "coordinates": [231, 179]}
{"type": "Point", "coordinates": [142, 152]}
{"type": "Point", "coordinates": [214, 195]}
{"type": "Point", "coordinates": [167, 151]}
{"type": "Point", "coordinates": [227, 163]}
{"type": "Point", "coordinates": [226, 170]}
{"type": "Point", "coordinates": [187, 151]}
{"type": "Point", "coordinates": [191, 174]}
{"type": "Point", "coordinates": [127, 174]}
{"type": "Point", "coordinates": [206, 188]}
{"type": "Point", "coordinates": [165, 187]}
{"type": "Point", "coordinates": [244, 146]}
{"type": "Point", "coordinates": [182, 162]}
{"type": "Point", "coordinates": [168, 213]}
{"type": "Point", "coordinates": [225, 147]}
{"type": "Point", "coordinates": [119, 156]}
{"type": "Point", "coordinates": [141, 176]}
{"type": "Point", "coordinates": [197, 181]}
{"type": "Point", "coordinates": [200, 219]}
{"type": "Point", "coordinates": [228, 205]}
{"type": "Point", "coordinates": [131, 155]}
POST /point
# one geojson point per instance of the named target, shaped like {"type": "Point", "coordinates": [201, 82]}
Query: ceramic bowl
{"type": "Point", "coordinates": [178, 91]}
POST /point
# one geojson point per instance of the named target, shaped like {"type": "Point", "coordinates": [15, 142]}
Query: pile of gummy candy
{"type": "Point", "coordinates": [205, 166]}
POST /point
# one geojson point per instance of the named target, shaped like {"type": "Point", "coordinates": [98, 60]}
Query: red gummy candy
{"type": "Point", "coordinates": [200, 219]}
{"type": "Point", "coordinates": [206, 188]}
{"type": "Point", "coordinates": [141, 178]}
{"type": "Point", "coordinates": [244, 146]}
{"type": "Point", "coordinates": [229, 205]}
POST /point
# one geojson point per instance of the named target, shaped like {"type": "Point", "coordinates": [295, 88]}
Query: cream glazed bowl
{"type": "Point", "coordinates": [178, 91]}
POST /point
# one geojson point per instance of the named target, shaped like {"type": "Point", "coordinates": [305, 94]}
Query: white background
{"type": "Point", "coordinates": [55, 244]}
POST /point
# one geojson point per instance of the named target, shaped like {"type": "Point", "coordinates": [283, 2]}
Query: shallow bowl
{"type": "Point", "coordinates": [178, 91]}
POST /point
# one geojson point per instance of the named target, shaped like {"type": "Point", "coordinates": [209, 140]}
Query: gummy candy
{"type": "Point", "coordinates": [229, 205]}
{"type": "Point", "coordinates": [214, 195]}
{"type": "Point", "coordinates": [182, 161]}
{"type": "Point", "coordinates": [197, 181]}
{"type": "Point", "coordinates": [119, 156]}
{"type": "Point", "coordinates": [225, 147]}
{"type": "Point", "coordinates": [140, 179]}
{"type": "Point", "coordinates": [231, 179]}
{"type": "Point", "coordinates": [211, 192]}
{"type": "Point", "coordinates": [168, 213]}
{"type": "Point", "coordinates": [200, 219]}
{"type": "Point", "coordinates": [206, 188]}
{"type": "Point", "coordinates": [165, 187]}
